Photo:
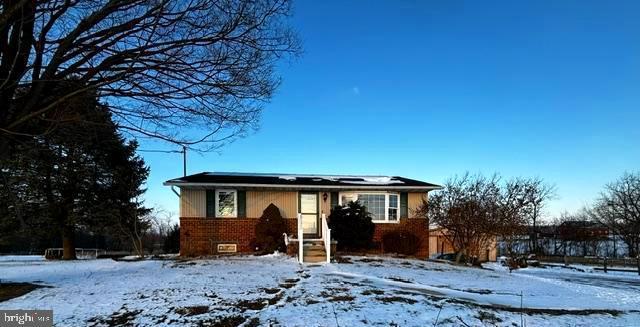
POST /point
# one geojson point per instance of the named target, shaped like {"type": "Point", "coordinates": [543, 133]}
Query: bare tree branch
{"type": "Point", "coordinates": [194, 72]}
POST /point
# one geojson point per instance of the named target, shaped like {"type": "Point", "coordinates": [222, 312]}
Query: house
{"type": "Point", "coordinates": [219, 210]}
{"type": "Point", "coordinates": [579, 230]}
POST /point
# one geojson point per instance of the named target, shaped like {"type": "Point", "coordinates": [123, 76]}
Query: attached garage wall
{"type": "Point", "coordinates": [193, 203]}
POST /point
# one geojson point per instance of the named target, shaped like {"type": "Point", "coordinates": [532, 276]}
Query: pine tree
{"type": "Point", "coordinates": [82, 174]}
{"type": "Point", "coordinates": [351, 226]}
{"type": "Point", "coordinates": [269, 231]}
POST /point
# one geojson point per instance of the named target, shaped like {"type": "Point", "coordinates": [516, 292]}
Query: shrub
{"type": "Point", "coordinates": [172, 240]}
{"type": "Point", "coordinates": [401, 242]}
{"type": "Point", "coordinates": [351, 226]}
{"type": "Point", "coordinates": [269, 231]}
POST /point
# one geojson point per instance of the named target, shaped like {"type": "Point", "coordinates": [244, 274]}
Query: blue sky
{"type": "Point", "coordinates": [431, 89]}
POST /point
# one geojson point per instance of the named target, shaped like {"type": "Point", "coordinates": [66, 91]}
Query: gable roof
{"type": "Point", "coordinates": [300, 181]}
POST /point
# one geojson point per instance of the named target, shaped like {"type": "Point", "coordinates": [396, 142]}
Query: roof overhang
{"type": "Point", "coordinates": [302, 186]}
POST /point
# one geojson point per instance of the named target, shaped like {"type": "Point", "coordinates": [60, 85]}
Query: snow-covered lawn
{"type": "Point", "coordinates": [277, 290]}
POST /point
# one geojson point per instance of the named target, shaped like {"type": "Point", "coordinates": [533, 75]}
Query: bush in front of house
{"type": "Point", "coordinates": [172, 240]}
{"type": "Point", "coordinates": [269, 231]}
{"type": "Point", "coordinates": [401, 242]}
{"type": "Point", "coordinates": [351, 226]}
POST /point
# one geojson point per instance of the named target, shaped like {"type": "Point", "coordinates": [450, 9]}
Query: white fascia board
{"type": "Point", "coordinates": [345, 187]}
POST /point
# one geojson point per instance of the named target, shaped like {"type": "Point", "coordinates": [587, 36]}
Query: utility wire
{"type": "Point", "coordinates": [184, 156]}
{"type": "Point", "coordinates": [161, 151]}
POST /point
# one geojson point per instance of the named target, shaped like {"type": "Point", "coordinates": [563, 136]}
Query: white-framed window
{"type": "Point", "coordinates": [384, 207]}
{"type": "Point", "coordinates": [393, 207]}
{"type": "Point", "coordinates": [226, 203]}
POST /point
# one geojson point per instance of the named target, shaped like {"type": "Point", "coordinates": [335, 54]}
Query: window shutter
{"type": "Point", "coordinates": [242, 204]}
{"type": "Point", "coordinates": [334, 199]}
{"type": "Point", "coordinates": [211, 203]}
{"type": "Point", "coordinates": [404, 205]}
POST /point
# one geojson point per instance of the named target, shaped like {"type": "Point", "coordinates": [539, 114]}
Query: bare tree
{"type": "Point", "coordinates": [560, 243]}
{"type": "Point", "coordinates": [135, 229]}
{"type": "Point", "coordinates": [158, 65]}
{"type": "Point", "coordinates": [464, 209]}
{"type": "Point", "coordinates": [618, 208]}
{"type": "Point", "coordinates": [162, 225]}
{"type": "Point", "coordinates": [539, 194]}
{"type": "Point", "coordinates": [513, 207]}
{"type": "Point", "coordinates": [475, 210]}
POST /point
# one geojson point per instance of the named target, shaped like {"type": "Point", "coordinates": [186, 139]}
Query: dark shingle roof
{"type": "Point", "coordinates": [300, 181]}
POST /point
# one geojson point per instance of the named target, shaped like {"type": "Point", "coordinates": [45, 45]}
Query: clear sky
{"type": "Point", "coordinates": [431, 89]}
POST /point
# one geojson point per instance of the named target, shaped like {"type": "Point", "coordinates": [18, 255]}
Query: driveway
{"type": "Point", "coordinates": [613, 280]}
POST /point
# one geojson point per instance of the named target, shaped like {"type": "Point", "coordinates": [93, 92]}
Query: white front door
{"type": "Point", "coordinates": [309, 211]}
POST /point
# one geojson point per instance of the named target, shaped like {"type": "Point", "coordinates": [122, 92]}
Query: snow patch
{"type": "Point", "coordinates": [378, 290]}
{"type": "Point", "coordinates": [380, 180]}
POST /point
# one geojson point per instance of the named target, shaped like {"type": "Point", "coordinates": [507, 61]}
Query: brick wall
{"type": "Point", "coordinates": [200, 236]}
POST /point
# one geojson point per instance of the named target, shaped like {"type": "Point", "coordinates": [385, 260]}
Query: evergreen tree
{"type": "Point", "coordinates": [172, 240]}
{"type": "Point", "coordinates": [269, 230]}
{"type": "Point", "coordinates": [351, 226]}
{"type": "Point", "coordinates": [81, 174]}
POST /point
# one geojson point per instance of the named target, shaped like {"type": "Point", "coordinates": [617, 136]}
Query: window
{"type": "Point", "coordinates": [393, 207]}
{"type": "Point", "coordinates": [384, 207]}
{"type": "Point", "coordinates": [226, 203]}
{"type": "Point", "coordinates": [374, 204]}
{"type": "Point", "coordinates": [348, 197]}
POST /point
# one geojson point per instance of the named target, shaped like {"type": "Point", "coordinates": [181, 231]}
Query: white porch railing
{"type": "Point", "coordinates": [300, 240]}
{"type": "Point", "coordinates": [326, 238]}
{"type": "Point", "coordinates": [326, 235]}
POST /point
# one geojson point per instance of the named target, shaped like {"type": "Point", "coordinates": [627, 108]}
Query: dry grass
{"type": "Point", "coordinates": [123, 317]}
{"type": "Point", "coordinates": [193, 310]}
{"type": "Point", "coordinates": [341, 298]}
{"type": "Point", "coordinates": [226, 321]}
{"type": "Point", "coordinates": [372, 291]}
{"type": "Point", "coordinates": [395, 299]}
{"type": "Point", "coordinates": [271, 290]}
{"type": "Point", "coordinates": [12, 290]}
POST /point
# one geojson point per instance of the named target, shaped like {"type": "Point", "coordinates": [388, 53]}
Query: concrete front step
{"type": "Point", "coordinates": [313, 250]}
{"type": "Point", "coordinates": [315, 258]}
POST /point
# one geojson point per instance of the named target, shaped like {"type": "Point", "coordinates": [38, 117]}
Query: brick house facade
{"type": "Point", "coordinates": [200, 236]}
{"type": "Point", "coordinates": [218, 210]}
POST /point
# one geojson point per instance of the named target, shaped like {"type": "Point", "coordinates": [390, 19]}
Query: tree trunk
{"type": "Point", "coordinates": [68, 244]}
{"type": "Point", "coordinates": [460, 253]}
{"type": "Point", "coordinates": [533, 239]}
{"type": "Point", "coordinates": [137, 246]}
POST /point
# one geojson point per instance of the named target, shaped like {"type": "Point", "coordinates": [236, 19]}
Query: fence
{"type": "Point", "coordinates": [623, 262]}
{"type": "Point", "coordinates": [81, 253]}
{"type": "Point", "coordinates": [613, 247]}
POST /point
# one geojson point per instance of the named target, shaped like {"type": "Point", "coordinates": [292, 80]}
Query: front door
{"type": "Point", "coordinates": [309, 211]}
